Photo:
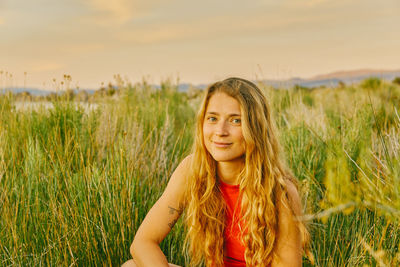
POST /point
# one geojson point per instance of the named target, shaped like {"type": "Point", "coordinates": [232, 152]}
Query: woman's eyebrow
{"type": "Point", "coordinates": [230, 115]}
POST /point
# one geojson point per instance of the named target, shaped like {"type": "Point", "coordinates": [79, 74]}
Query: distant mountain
{"type": "Point", "coordinates": [39, 92]}
{"type": "Point", "coordinates": [333, 79]}
{"type": "Point", "coordinates": [32, 91]}
{"type": "Point", "coordinates": [358, 73]}
{"type": "Point", "coordinates": [328, 80]}
{"type": "Point", "coordinates": [183, 87]}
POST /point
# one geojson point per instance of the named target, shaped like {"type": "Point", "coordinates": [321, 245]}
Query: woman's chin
{"type": "Point", "coordinates": [226, 158]}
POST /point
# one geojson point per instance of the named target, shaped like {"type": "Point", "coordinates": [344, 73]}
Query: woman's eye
{"type": "Point", "coordinates": [212, 119]}
{"type": "Point", "coordinates": [236, 121]}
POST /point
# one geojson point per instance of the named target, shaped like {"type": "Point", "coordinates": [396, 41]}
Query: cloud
{"type": "Point", "coordinates": [159, 21]}
{"type": "Point", "coordinates": [316, 3]}
{"type": "Point", "coordinates": [118, 10]}
{"type": "Point", "coordinates": [312, 3]}
{"type": "Point", "coordinates": [304, 3]}
{"type": "Point", "coordinates": [216, 27]}
{"type": "Point", "coordinates": [122, 11]}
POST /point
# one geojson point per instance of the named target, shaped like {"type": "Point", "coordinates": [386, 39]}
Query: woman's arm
{"type": "Point", "coordinates": [288, 250]}
{"type": "Point", "coordinates": [159, 221]}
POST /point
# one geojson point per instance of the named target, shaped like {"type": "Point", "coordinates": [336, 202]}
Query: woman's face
{"type": "Point", "coordinates": [222, 129]}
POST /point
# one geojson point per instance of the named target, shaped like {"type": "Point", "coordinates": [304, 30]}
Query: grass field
{"type": "Point", "coordinates": [75, 183]}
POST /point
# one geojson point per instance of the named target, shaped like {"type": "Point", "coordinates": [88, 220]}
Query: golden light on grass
{"type": "Point", "coordinates": [76, 181]}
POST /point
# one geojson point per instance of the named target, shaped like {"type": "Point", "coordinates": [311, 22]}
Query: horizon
{"type": "Point", "coordinates": [194, 42]}
{"type": "Point", "coordinates": [346, 76]}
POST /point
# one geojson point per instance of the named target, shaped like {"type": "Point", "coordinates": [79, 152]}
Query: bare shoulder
{"type": "Point", "coordinates": [184, 165]}
{"type": "Point", "coordinates": [293, 196]}
{"type": "Point", "coordinates": [176, 185]}
{"type": "Point", "coordinates": [181, 172]}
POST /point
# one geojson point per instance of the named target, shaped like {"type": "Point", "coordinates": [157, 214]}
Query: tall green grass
{"type": "Point", "coordinates": [76, 183]}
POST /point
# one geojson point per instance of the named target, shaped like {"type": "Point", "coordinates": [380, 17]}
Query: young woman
{"type": "Point", "coordinates": [240, 200]}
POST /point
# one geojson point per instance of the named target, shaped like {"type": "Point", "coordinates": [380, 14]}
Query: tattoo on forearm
{"type": "Point", "coordinates": [173, 210]}
{"type": "Point", "coordinates": [171, 224]}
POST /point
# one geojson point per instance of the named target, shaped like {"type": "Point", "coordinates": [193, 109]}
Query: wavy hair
{"type": "Point", "coordinates": [262, 184]}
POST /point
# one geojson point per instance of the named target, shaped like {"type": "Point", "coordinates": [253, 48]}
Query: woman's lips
{"type": "Point", "coordinates": [221, 144]}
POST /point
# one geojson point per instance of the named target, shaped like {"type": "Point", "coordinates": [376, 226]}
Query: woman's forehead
{"type": "Point", "coordinates": [223, 103]}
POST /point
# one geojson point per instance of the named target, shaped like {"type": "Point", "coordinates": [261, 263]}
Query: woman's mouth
{"type": "Point", "coordinates": [221, 144]}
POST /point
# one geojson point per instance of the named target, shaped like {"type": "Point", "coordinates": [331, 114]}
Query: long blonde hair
{"type": "Point", "coordinates": [262, 182]}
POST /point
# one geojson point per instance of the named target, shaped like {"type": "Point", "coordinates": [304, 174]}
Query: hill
{"type": "Point", "coordinates": [328, 80]}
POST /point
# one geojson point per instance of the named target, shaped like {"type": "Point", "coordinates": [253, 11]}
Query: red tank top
{"type": "Point", "coordinates": [233, 246]}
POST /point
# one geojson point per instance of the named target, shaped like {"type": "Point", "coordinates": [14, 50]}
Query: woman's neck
{"type": "Point", "coordinates": [229, 172]}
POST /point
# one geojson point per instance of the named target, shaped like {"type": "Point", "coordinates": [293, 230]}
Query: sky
{"type": "Point", "coordinates": [193, 41]}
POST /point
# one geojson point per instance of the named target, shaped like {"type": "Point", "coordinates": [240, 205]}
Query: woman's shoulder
{"type": "Point", "coordinates": [292, 194]}
{"type": "Point", "coordinates": [185, 164]}
{"type": "Point", "coordinates": [176, 185]}
{"type": "Point", "coordinates": [182, 171]}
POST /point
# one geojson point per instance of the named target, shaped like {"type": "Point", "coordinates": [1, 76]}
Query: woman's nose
{"type": "Point", "coordinates": [221, 129]}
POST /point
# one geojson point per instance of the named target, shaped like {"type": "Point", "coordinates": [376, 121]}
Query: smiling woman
{"type": "Point", "coordinates": [222, 129]}
{"type": "Point", "coordinates": [240, 200]}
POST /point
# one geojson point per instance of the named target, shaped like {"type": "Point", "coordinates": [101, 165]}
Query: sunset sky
{"type": "Point", "coordinates": [197, 41]}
